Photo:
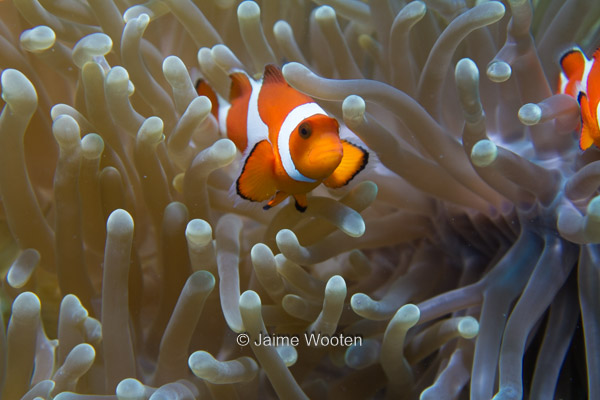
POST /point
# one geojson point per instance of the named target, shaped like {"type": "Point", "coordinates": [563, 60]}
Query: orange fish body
{"type": "Point", "coordinates": [289, 143]}
{"type": "Point", "coordinates": [580, 78]}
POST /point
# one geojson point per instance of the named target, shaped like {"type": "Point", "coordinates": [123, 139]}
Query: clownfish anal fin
{"type": "Point", "coordinates": [354, 160]}
{"type": "Point", "coordinates": [279, 197]}
{"type": "Point", "coordinates": [256, 182]}
{"type": "Point", "coordinates": [240, 85]}
{"type": "Point", "coordinates": [587, 123]}
{"type": "Point", "coordinates": [273, 74]}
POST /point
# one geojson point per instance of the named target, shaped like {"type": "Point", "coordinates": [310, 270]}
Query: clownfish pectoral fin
{"type": "Point", "coordinates": [301, 202]}
{"type": "Point", "coordinates": [240, 86]}
{"type": "Point", "coordinates": [354, 160]}
{"type": "Point", "coordinates": [256, 182]}
{"type": "Point", "coordinates": [587, 123]}
{"type": "Point", "coordinates": [279, 197]}
{"type": "Point", "coordinates": [204, 89]}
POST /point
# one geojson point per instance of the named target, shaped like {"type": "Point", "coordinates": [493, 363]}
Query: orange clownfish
{"type": "Point", "coordinates": [580, 78]}
{"type": "Point", "coordinates": [288, 142]}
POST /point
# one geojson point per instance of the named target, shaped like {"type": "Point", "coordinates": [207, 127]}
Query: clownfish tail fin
{"type": "Point", "coordinates": [572, 63]}
{"type": "Point", "coordinates": [204, 89]}
{"type": "Point", "coordinates": [273, 74]}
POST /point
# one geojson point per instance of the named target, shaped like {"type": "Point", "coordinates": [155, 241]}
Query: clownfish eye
{"type": "Point", "coordinates": [304, 130]}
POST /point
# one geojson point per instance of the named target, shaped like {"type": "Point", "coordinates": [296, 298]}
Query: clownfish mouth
{"type": "Point", "coordinates": [323, 161]}
{"type": "Point", "coordinates": [325, 157]}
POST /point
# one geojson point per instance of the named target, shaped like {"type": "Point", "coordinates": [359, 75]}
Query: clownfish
{"type": "Point", "coordinates": [580, 78]}
{"type": "Point", "coordinates": [289, 144]}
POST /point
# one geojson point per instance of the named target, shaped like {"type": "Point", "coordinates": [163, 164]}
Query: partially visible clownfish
{"type": "Point", "coordinates": [580, 78]}
{"type": "Point", "coordinates": [288, 142]}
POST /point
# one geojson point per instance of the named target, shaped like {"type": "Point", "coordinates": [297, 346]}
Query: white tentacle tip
{"type": "Point", "coordinates": [248, 10]}
{"type": "Point", "coordinates": [18, 91]}
{"type": "Point", "coordinates": [530, 114]}
{"type": "Point", "coordinates": [325, 13]}
{"type": "Point", "coordinates": [92, 146]}
{"type": "Point", "coordinates": [90, 47]}
{"type": "Point", "coordinates": [223, 151]}
{"type": "Point", "coordinates": [66, 131]}
{"type": "Point", "coordinates": [484, 153]}
{"type": "Point", "coordinates": [151, 130]}
{"type": "Point", "coordinates": [407, 315]}
{"type": "Point", "coordinates": [175, 71]}
{"type": "Point", "coordinates": [26, 306]}
{"type": "Point", "coordinates": [130, 389]}
{"type": "Point", "coordinates": [593, 209]}
{"type": "Point", "coordinates": [468, 327]}
{"type": "Point", "coordinates": [199, 232]}
{"type": "Point", "coordinates": [140, 22]}
{"type": "Point", "coordinates": [353, 108]}
{"type": "Point", "coordinates": [335, 285]}
{"type": "Point", "coordinates": [363, 305]}
{"type": "Point", "coordinates": [38, 39]}
{"type": "Point", "coordinates": [119, 223]}
{"type": "Point", "coordinates": [249, 300]}
{"type": "Point", "coordinates": [499, 71]}
{"type": "Point", "coordinates": [282, 29]}
{"type": "Point", "coordinates": [466, 70]}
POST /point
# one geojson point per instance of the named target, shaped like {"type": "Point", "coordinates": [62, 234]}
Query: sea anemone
{"type": "Point", "coordinates": [461, 263]}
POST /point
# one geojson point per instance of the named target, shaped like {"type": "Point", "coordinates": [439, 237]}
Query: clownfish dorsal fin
{"type": "Point", "coordinates": [354, 160]}
{"type": "Point", "coordinates": [277, 99]}
{"type": "Point", "coordinates": [240, 86]}
{"type": "Point", "coordinates": [256, 182]}
{"type": "Point", "coordinates": [273, 74]}
{"type": "Point", "coordinates": [587, 135]}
